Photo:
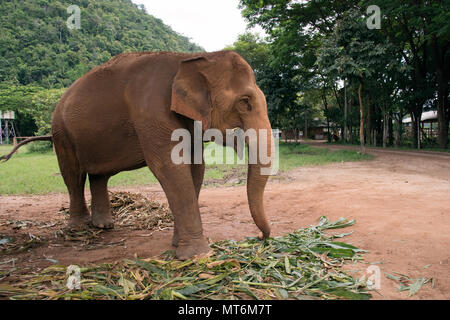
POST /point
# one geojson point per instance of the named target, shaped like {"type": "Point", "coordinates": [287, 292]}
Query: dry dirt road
{"type": "Point", "coordinates": [400, 201]}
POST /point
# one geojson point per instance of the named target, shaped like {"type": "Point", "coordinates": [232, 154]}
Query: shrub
{"type": "Point", "coordinates": [40, 147]}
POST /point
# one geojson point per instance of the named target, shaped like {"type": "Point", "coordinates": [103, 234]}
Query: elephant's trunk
{"type": "Point", "coordinates": [257, 177]}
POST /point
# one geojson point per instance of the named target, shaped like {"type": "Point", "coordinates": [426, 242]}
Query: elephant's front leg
{"type": "Point", "coordinates": [198, 172]}
{"type": "Point", "coordinates": [181, 193]}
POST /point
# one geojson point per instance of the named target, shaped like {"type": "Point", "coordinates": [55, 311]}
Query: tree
{"type": "Point", "coordinates": [43, 104]}
{"type": "Point", "coordinates": [18, 99]}
{"type": "Point", "coordinates": [38, 53]}
{"type": "Point", "coordinates": [254, 49]}
{"type": "Point", "coordinates": [36, 47]}
{"type": "Point", "coordinates": [34, 107]}
{"type": "Point", "coordinates": [400, 68]}
{"type": "Point", "coordinates": [355, 53]}
{"type": "Point", "coordinates": [275, 79]}
{"type": "Point", "coordinates": [420, 32]}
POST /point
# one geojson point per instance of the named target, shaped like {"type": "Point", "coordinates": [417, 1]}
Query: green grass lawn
{"type": "Point", "coordinates": [299, 155]}
{"type": "Point", "coordinates": [35, 173]}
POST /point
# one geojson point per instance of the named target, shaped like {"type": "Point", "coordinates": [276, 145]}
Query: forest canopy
{"type": "Point", "coordinates": [40, 54]}
{"type": "Point", "coordinates": [360, 66]}
{"type": "Point", "coordinates": [320, 61]}
{"type": "Point", "coordinates": [38, 48]}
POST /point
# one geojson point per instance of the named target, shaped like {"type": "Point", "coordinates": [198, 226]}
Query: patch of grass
{"type": "Point", "coordinates": [40, 147]}
{"type": "Point", "coordinates": [298, 155]}
{"type": "Point", "coordinates": [5, 148]}
{"type": "Point", "coordinates": [31, 173]}
{"type": "Point", "coordinates": [38, 173]}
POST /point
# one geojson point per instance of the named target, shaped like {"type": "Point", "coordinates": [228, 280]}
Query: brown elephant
{"type": "Point", "coordinates": [120, 116]}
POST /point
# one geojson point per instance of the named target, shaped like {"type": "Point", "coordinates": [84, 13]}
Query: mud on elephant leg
{"type": "Point", "coordinates": [100, 205]}
{"type": "Point", "coordinates": [198, 173]}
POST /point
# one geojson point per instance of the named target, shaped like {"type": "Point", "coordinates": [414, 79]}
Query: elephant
{"type": "Point", "coordinates": [120, 115]}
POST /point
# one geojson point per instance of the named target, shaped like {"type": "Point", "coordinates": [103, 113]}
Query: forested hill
{"type": "Point", "coordinates": [37, 47]}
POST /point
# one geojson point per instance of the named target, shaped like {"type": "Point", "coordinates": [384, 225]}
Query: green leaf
{"type": "Point", "coordinates": [392, 277]}
{"type": "Point", "coordinates": [149, 267]}
{"type": "Point", "coordinates": [189, 290]}
{"type": "Point", "coordinates": [107, 291]}
{"type": "Point", "coordinates": [282, 293]}
{"type": "Point", "coordinates": [127, 285]}
{"type": "Point", "coordinates": [287, 265]}
{"type": "Point", "coordinates": [416, 285]}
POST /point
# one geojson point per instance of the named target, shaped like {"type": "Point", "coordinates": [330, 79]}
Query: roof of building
{"type": "Point", "coordinates": [7, 115]}
{"type": "Point", "coordinates": [426, 116]}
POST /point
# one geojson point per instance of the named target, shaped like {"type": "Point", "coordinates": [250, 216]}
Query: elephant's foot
{"type": "Point", "coordinates": [79, 222]}
{"type": "Point", "coordinates": [175, 239]}
{"type": "Point", "coordinates": [174, 242]}
{"type": "Point", "coordinates": [191, 248]}
{"type": "Point", "coordinates": [102, 221]}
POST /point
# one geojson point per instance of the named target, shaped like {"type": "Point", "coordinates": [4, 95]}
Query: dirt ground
{"type": "Point", "coordinates": [400, 202]}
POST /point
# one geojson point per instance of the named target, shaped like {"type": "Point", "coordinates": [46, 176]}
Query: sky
{"type": "Point", "coordinates": [212, 24]}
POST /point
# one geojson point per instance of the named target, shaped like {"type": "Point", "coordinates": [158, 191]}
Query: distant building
{"type": "Point", "coordinates": [317, 130]}
{"type": "Point", "coordinates": [7, 127]}
{"type": "Point", "coordinates": [427, 121]}
{"type": "Point", "coordinates": [428, 116]}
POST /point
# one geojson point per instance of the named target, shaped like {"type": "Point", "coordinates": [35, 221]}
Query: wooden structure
{"type": "Point", "coordinates": [428, 125]}
{"type": "Point", "coordinates": [8, 128]}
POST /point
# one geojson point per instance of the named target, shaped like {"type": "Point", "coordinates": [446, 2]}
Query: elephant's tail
{"type": "Point", "coordinates": [6, 157]}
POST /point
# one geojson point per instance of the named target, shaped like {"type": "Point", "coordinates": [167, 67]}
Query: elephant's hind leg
{"type": "Point", "coordinates": [79, 213]}
{"type": "Point", "coordinates": [100, 205]}
{"type": "Point", "coordinates": [75, 180]}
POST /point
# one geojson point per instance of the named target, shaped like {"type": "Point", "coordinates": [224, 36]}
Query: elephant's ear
{"type": "Point", "coordinates": [190, 94]}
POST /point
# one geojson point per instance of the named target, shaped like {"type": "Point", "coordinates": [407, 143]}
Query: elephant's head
{"type": "Point", "coordinates": [219, 89]}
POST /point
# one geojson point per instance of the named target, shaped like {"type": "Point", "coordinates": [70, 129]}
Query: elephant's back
{"type": "Point", "coordinates": [94, 113]}
{"type": "Point", "coordinates": [109, 80]}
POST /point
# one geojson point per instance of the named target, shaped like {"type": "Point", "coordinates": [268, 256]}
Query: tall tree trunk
{"type": "Point", "coordinates": [390, 129]}
{"type": "Point", "coordinates": [345, 112]}
{"type": "Point", "coordinates": [415, 119]}
{"type": "Point", "coordinates": [325, 104]}
{"type": "Point", "coordinates": [439, 54]}
{"type": "Point", "coordinates": [368, 122]}
{"type": "Point", "coordinates": [361, 119]}
{"type": "Point", "coordinates": [385, 128]}
{"type": "Point", "coordinates": [398, 130]}
{"type": "Point", "coordinates": [306, 126]}
{"type": "Point", "coordinates": [351, 123]}
{"type": "Point", "coordinates": [350, 133]}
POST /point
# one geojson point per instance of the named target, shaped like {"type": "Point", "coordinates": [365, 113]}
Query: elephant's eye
{"type": "Point", "coordinates": [246, 101]}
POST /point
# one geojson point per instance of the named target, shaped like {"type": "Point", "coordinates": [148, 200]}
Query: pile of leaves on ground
{"type": "Point", "coordinates": [133, 210]}
{"type": "Point", "coordinates": [138, 212]}
{"type": "Point", "coordinates": [305, 264]}
{"type": "Point", "coordinates": [129, 210]}
{"type": "Point", "coordinates": [19, 243]}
